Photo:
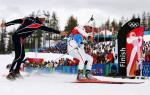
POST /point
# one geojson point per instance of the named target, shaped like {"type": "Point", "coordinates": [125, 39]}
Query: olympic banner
{"type": "Point", "coordinates": [125, 47]}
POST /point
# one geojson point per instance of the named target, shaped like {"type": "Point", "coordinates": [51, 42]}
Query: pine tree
{"type": "Point", "coordinates": [10, 45]}
{"type": "Point", "coordinates": [148, 15]}
{"type": "Point", "coordinates": [2, 42]}
{"type": "Point", "coordinates": [122, 21]}
{"type": "Point", "coordinates": [108, 24]}
{"type": "Point", "coordinates": [72, 22]}
{"type": "Point", "coordinates": [114, 24]}
{"type": "Point", "coordinates": [2, 39]}
{"type": "Point", "coordinates": [27, 43]}
{"type": "Point", "coordinates": [36, 36]}
{"type": "Point", "coordinates": [133, 16]}
{"type": "Point", "coordinates": [53, 24]}
{"type": "Point", "coordinates": [119, 25]}
{"type": "Point", "coordinates": [54, 21]}
{"type": "Point", "coordinates": [102, 27]}
{"type": "Point", "coordinates": [144, 23]}
{"type": "Point", "coordinates": [39, 36]}
{"type": "Point", "coordinates": [138, 16]}
{"type": "Point", "coordinates": [32, 44]}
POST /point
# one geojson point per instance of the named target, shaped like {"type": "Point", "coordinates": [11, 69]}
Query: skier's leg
{"type": "Point", "coordinates": [19, 62]}
{"type": "Point", "coordinates": [88, 72]}
{"type": "Point", "coordinates": [80, 75]}
{"type": "Point", "coordinates": [90, 62]}
{"type": "Point", "coordinates": [89, 59]}
{"type": "Point", "coordinates": [75, 52]}
{"type": "Point", "coordinates": [17, 48]}
{"type": "Point", "coordinates": [81, 58]}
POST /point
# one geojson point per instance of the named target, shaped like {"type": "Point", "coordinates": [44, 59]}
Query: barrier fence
{"type": "Point", "coordinates": [146, 69]}
{"type": "Point", "coordinates": [97, 69]}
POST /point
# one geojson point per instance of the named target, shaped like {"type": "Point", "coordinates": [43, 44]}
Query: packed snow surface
{"type": "Point", "coordinates": [61, 84]}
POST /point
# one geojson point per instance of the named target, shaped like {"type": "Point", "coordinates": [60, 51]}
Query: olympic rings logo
{"type": "Point", "coordinates": [133, 24]}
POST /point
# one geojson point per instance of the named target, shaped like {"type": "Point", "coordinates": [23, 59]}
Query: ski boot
{"type": "Point", "coordinates": [18, 75]}
{"type": "Point", "coordinates": [80, 75]}
{"type": "Point", "coordinates": [8, 66]}
{"type": "Point", "coordinates": [89, 75]}
{"type": "Point", "coordinates": [11, 76]}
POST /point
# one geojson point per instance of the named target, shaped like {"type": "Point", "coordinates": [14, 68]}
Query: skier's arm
{"type": "Point", "coordinates": [53, 30]}
{"type": "Point", "coordinates": [17, 21]}
{"type": "Point", "coordinates": [49, 29]}
{"type": "Point", "coordinates": [81, 31]}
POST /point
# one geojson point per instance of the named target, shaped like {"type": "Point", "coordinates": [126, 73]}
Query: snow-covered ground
{"type": "Point", "coordinates": [48, 56]}
{"type": "Point", "coordinates": [60, 84]}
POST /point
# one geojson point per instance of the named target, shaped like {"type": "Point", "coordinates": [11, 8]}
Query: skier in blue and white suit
{"type": "Point", "coordinates": [75, 47]}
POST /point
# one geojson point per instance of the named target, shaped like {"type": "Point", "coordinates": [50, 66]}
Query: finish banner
{"type": "Point", "coordinates": [127, 35]}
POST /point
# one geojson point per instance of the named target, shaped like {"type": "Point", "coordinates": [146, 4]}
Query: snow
{"type": "Point", "coordinates": [60, 84]}
{"type": "Point", "coordinates": [48, 56]}
{"type": "Point", "coordinates": [146, 38]}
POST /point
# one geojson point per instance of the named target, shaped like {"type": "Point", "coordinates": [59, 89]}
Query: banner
{"type": "Point", "coordinates": [123, 33]}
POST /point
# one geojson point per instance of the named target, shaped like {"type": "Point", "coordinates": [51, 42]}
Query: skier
{"type": "Point", "coordinates": [27, 27]}
{"type": "Point", "coordinates": [75, 47]}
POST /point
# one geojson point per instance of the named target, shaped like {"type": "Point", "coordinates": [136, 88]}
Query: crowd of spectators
{"type": "Point", "coordinates": [52, 63]}
{"type": "Point", "coordinates": [146, 51]}
{"type": "Point", "coordinates": [60, 47]}
{"type": "Point", "coordinates": [102, 52]}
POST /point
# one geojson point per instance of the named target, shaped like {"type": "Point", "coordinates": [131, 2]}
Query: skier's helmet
{"type": "Point", "coordinates": [90, 24]}
{"type": "Point", "coordinates": [41, 17]}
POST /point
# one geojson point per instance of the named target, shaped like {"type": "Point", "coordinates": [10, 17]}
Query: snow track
{"type": "Point", "coordinates": [60, 84]}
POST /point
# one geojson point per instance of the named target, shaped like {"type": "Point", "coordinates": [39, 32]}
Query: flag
{"type": "Point", "coordinates": [99, 30]}
{"type": "Point", "coordinates": [91, 19]}
{"type": "Point", "coordinates": [105, 30]}
{"type": "Point", "coordinates": [93, 32]}
{"type": "Point", "coordinates": [93, 24]}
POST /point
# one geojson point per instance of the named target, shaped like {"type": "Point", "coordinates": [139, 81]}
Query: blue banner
{"type": "Point", "coordinates": [146, 32]}
{"type": "Point", "coordinates": [146, 69]}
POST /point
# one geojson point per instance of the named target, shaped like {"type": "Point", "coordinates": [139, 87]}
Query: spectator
{"type": "Point", "coordinates": [109, 57]}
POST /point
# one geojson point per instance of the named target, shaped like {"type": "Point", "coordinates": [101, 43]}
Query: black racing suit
{"type": "Point", "coordinates": [27, 27]}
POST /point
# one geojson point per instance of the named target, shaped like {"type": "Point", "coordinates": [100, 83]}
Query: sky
{"type": "Point", "coordinates": [80, 9]}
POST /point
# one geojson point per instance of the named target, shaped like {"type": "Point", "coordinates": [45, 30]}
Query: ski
{"type": "Point", "coordinates": [22, 77]}
{"type": "Point", "coordinates": [106, 82]}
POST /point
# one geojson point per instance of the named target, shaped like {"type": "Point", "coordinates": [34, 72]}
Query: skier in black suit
{"type": "Point", "coordinates": [26, 28]}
